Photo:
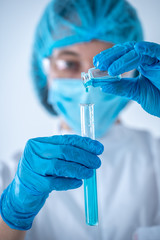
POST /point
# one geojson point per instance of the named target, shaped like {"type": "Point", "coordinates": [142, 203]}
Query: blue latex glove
{"type": "Point", "coordinates": [50, 163]}
{"type": "Point", "coordinates": [144, 89]}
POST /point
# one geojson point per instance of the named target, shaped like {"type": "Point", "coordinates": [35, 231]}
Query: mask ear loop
{"type": "Point", "coordinates": [46, 69]}
{"type": "Point", "coordinates": [46, 65]}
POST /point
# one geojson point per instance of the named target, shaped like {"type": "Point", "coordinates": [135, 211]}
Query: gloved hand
{"type": "Point", "coordinates": [50, 163]}
{"type": "Point", "coordinates": [144, 89]}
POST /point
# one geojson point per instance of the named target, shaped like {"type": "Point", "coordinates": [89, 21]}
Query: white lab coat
{"type": "Point", "coordinates": [128, 194]}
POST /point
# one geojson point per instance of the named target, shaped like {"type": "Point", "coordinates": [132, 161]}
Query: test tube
{"type": "Point", "coordinates": [90, 184]}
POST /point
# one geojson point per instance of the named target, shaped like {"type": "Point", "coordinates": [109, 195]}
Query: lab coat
{"type": "Point", "coordinates": [128, 184]}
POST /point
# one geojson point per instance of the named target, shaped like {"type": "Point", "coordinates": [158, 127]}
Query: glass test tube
{"type": "Point", "coordinates": [90, 184]}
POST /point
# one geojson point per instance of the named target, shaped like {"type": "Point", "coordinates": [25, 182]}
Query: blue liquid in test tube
{"type": "Point", "coordinates": [90, 185]}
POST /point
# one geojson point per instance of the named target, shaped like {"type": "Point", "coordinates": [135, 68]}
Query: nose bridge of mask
{"type": "Point", "coordinates": [67, 86]}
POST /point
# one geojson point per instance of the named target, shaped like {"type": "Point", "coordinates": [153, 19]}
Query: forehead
{"type": "Point", "coordinates": [83, 50]}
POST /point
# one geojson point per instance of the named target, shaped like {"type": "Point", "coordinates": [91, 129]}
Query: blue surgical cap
{"type": "Point", "coordinates": [68, 22]}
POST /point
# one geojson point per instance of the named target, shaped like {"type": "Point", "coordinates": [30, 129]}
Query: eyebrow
{"type": "Point", "coordinates": [67, 52]}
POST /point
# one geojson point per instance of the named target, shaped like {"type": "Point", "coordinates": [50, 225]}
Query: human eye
{"type": "Point", "coordinates": [67, 65]}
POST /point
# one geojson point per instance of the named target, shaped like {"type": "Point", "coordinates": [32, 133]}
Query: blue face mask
{"type": "Point", "coordinates": [65, 95]}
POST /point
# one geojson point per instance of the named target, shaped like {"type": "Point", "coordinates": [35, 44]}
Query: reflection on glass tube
{"type": "Point", "coordinates": [90, 185]}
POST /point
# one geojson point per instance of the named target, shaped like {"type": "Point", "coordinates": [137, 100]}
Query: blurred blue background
{"type": "Point", "coordinates": [21, 116]}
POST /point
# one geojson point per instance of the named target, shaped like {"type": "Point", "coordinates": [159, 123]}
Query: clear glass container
{"type": "Point", "coordinates": [98, 74]}
{"type": "Point", "coordinates": [90, 184]}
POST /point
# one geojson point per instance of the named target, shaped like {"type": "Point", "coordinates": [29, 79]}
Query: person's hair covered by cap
{"type": "Point", "coordinates": [72, 21]}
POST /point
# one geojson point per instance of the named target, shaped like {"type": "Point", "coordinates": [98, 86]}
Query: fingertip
{"type": "Point", "coordinates": [138, 46]}
{"type": "Point", "coordinates": [99, 147]}
{"type": "Point", "coordinates": [144, 47]}
{"type": "Point", "coordinates": [102, 148]}
{"type": "Point", "coordinates": [141, 44]}
{"type": "Point", "coordinates": [112, 71]}
{"type": "Point", "coordinates": [89, 174]}
{"type": "Point", "coordinates": [98, 163]}
{"type": "Point", "coordinates": [98, 63]}
{"type": "Point", "coordinates": [95, 61]}
{"type": "Point", "coordinates": [78, 183]}
{"type": "Point", "coordinates": [95, 164]}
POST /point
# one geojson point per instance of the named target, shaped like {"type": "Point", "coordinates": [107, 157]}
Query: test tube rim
{"type": "Point", "coordinates": [86, 104]}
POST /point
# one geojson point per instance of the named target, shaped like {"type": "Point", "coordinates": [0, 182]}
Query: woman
{"type": "Point", "coordinates": [69, 35]}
